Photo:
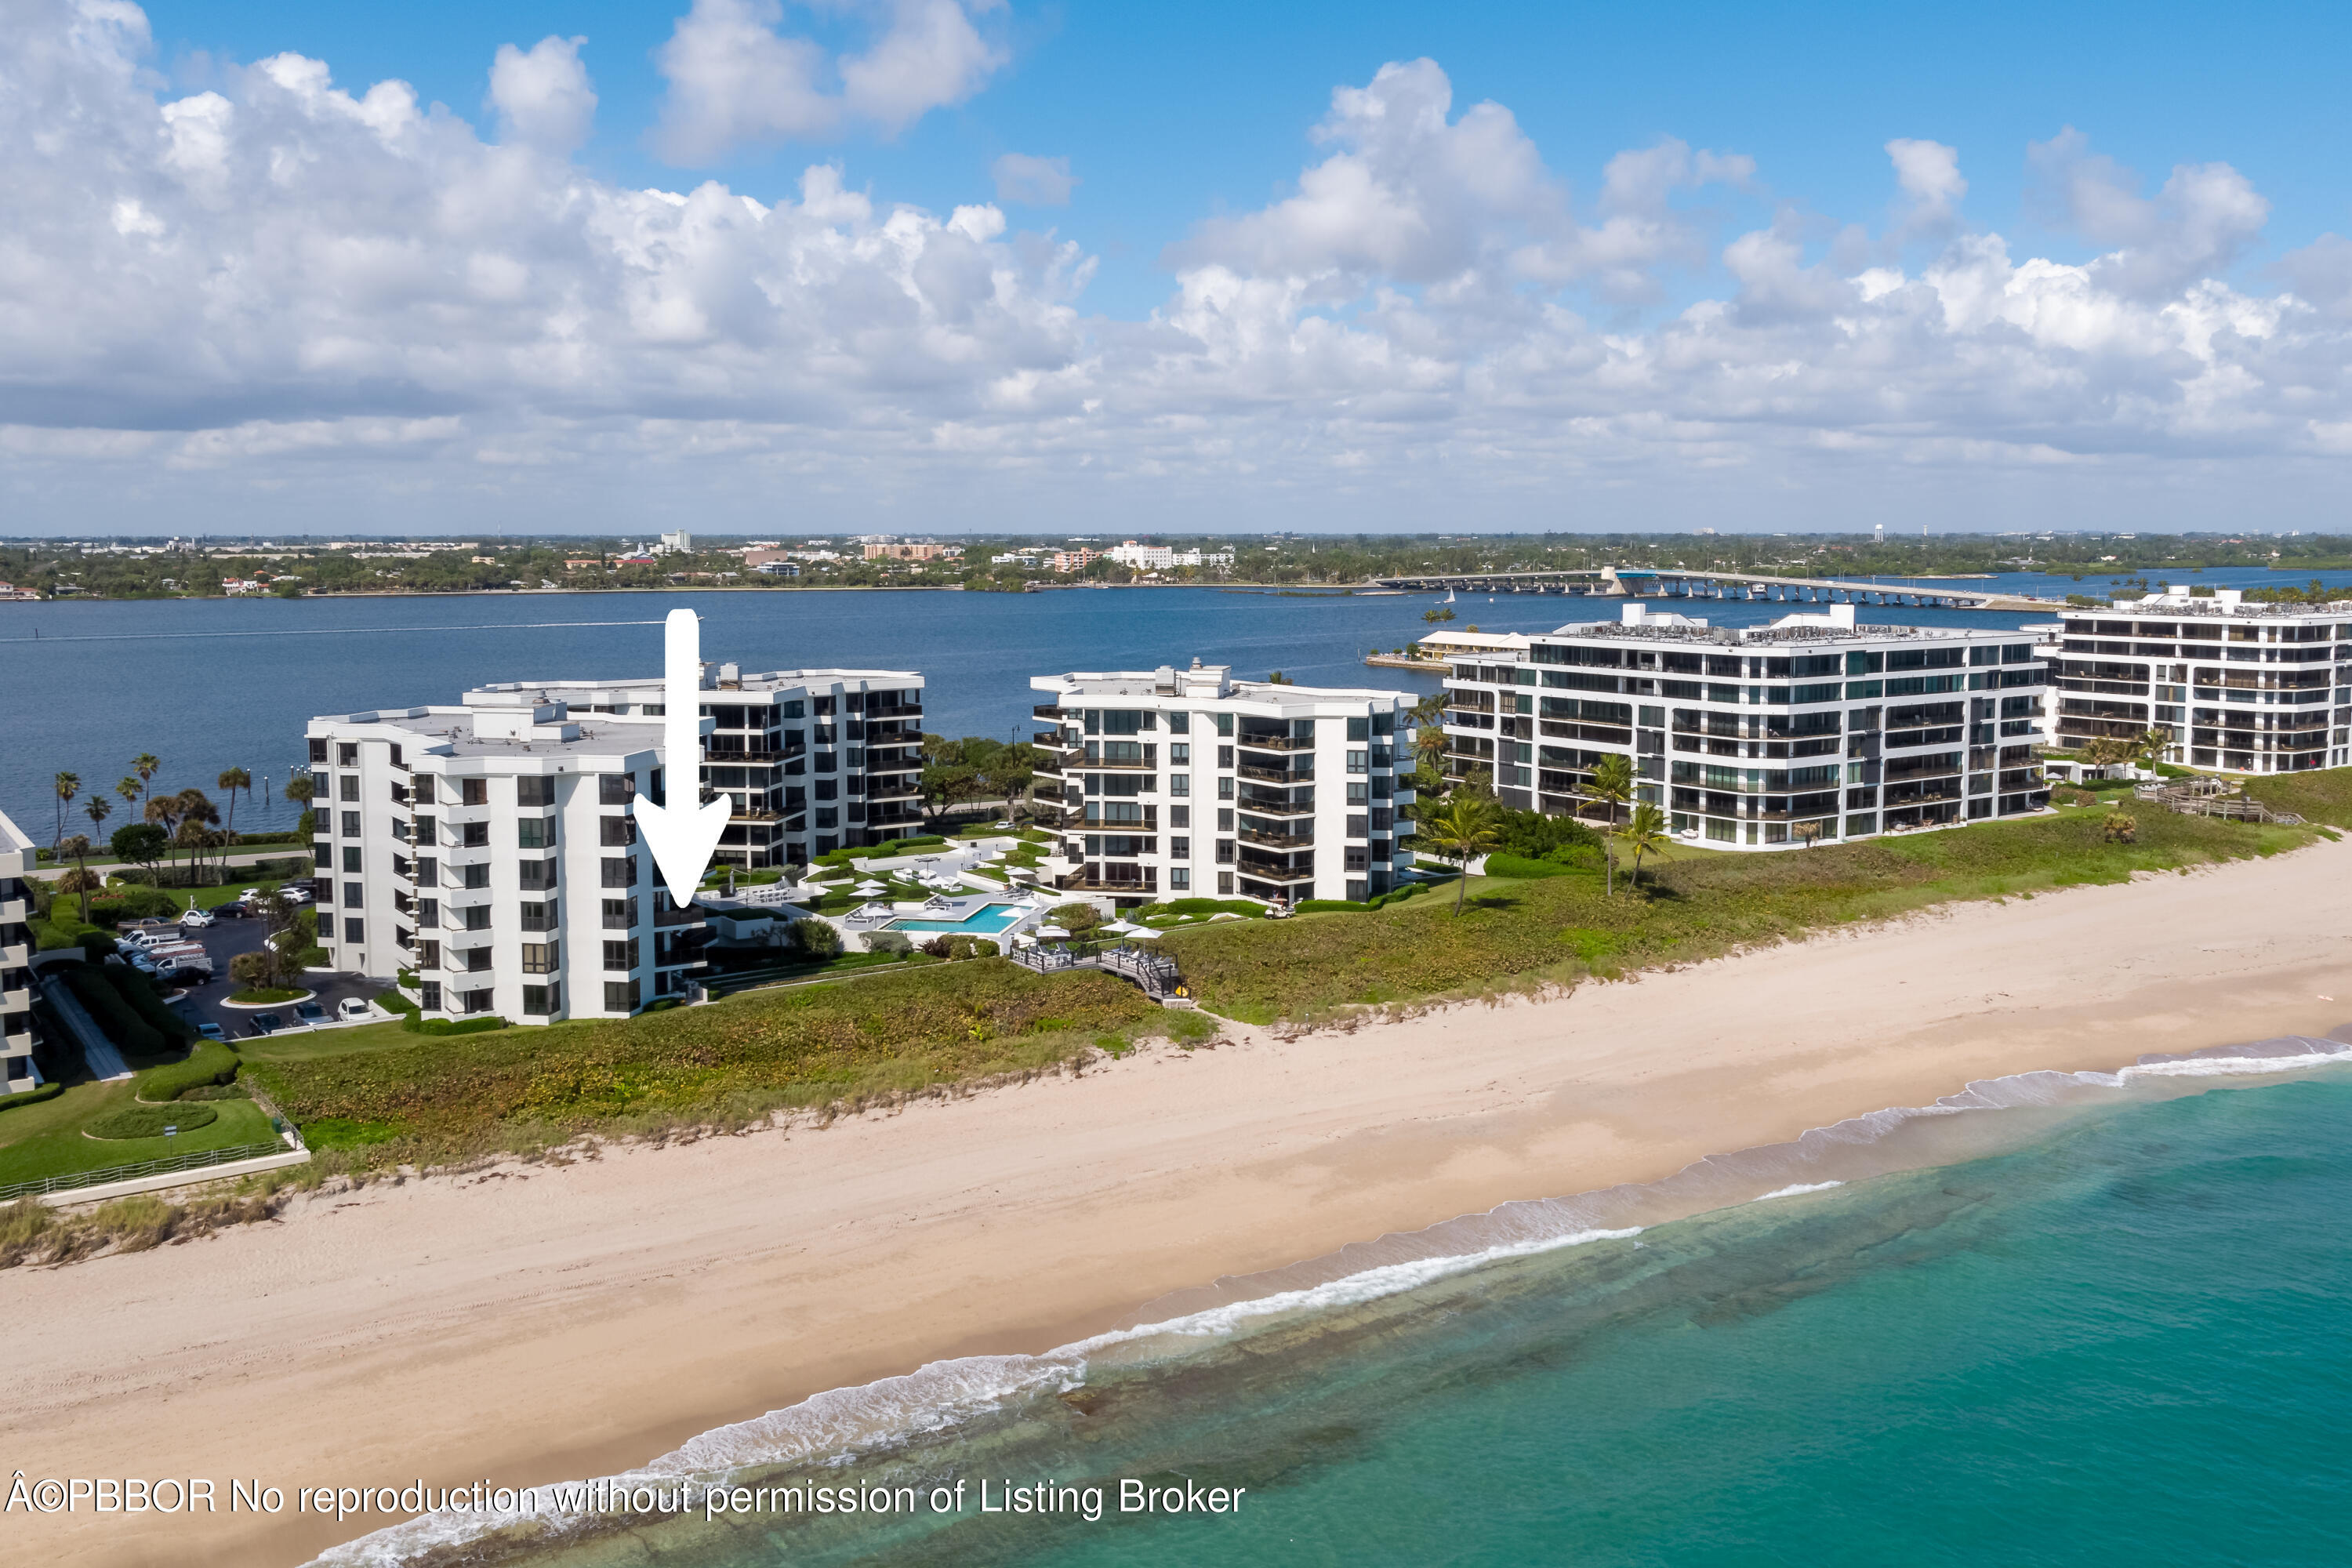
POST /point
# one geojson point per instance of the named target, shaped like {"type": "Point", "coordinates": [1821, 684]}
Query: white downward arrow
{"type": "Point", "coordinates": [682, 834]}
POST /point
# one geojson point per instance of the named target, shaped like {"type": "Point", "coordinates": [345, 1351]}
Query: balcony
{"type": "Point", "coordinates": [1281, 776]}
{"type": "Point", "coordinates": [1095, 879]}
{"type": "Point", "coordinates": [690, 915]}
{"type": "Point", "coordinates": [1270, 868]}
{"type": "Point", "coordinates": [1275, 743]}
{"type": "Point", "coordinates": [1046, 710]}
{"type": "Point", "coordinates": [1273, 804]}
{"type": "Point", "coordinates": [1276, 840]}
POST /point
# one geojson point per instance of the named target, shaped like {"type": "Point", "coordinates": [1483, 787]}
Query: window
{"type": "Point", "coordinates": [535, 791]}
{"type": "Point", "coordinates": [429, 872]}
{"type": "Point", "coordinates": [477, 918]}
{"type": "Point", "coordinates": [620, 956]}
{"type": "Point", "coordinates": [1358, 762]}
{"type": "Point", "coordinates": [421, 789]}
{"type": "Point", "coordinates": [317, 752]}
{"type": "Point", "coordinates": [540, 958]}
{"type": "Point", "coordinates": [1224, 852]}
{"type": "Point", "coordinates": [1179, 848]}
{"type": "Point", "coordinates": [1180, 878]}
{"type": "Point", "coordinates": [1224, 789]}
{"type": "Point", "coordinates": [828, 789]}
{"type": "Point", "coordinates": [1224, 756]}
{"type": "Point", "coordinates": [620, 995]}
{"type": "Point", "coordinates": [347, 754]}
{"type": "Point", "coordinates": [1224, 821]}
{"type": "Point", "coordinates": [620, 915]}
{"type": "Point", "coordinates": [351, 858]}
{"type": "Point", "coordinates": [616, 789]}
{"type": "Point", "coordinates": [474, 792]}
{"type": "Point", "coordinates": [1355, 858]}
{"type": "Point", "coordinates": [538, 875]}
{"type": "Point", "coordinates": [1180, 816]}
{"type": "Point", "coordinates": [1358, 892]}
{"type": "Point", "coordinates": [475, 835]}
{"type": "Point", "coordinates": [1180, 783]}
{"type": "Point", "coordinates": [619, 871]}
{"type": "Point", "coordinates": [1179, 725]}
{"type": "Point", "coordinates": [1361, 789]}
{"type": "Point", "coordinates": [1179, 753]}
{"type": "Point", "coordinates": [350, 825]}
{"type": "Point", "coordinates": [1225, 879]}
{"type": "Point", "coordinates": [353, 896]}
{"type": "Point", "coordinates": [613, 831]}
{"type": "Point", "coordinates": [352, 930]}
{"type": "Point", "coordinates": [425, 831]}
{"type": "Point", "coordinates": [1359, 729]}
{"type": "Point", "coordinates": [475, 876]}
{"type": "Point", "coordinates": [429, 955]}
{"type": "Point", "coordinates": [429, 995]}
{"type": "Point", "coordinates": [540, 1001]}
{"type": "Point", "coordinates": [348, 788]}
{"type": "Point", "coordinates": [537, 917]}
{"type": "Point", "coordinates": [1226, 727]}
{"type": "Point", "coordinates": [534, 832]}
{"type": "Point", "coordinates": [428, 913]}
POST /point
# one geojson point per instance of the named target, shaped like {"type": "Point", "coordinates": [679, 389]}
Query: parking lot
{"type": "Point", "coordinates": [225, 939]}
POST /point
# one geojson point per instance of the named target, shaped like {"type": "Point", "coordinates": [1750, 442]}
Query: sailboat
{"type": "Point", "coordinates": [1449, 595]}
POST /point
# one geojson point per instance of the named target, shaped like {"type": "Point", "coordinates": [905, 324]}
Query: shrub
{"type": "Point", "coordinates": [1534, 835]}
{"type": "Point", "coordinates": [897, 942]}
{"type": "Point", "coordinates": [816, 939]}
{"type": "Point", "coordinates": [149, 1121]}
{"type": "Point", "coordinates": [140, 993]}
{"type": "Point", "coordinates": [960, 944]}
{"type": "Point", "coordinates": [34, 1096]}
{"type": "Point", "coordinates": [1501, 865]}
{"type": "Point", "coordinates": [211, 1062]}
{"type": "Point", "coordinates": [95, 945]}
{"type": "Point", "coordinates": [115, 1017]}
{"type": "Point", "coordinates": [1076, 919]}
{"type": "Point", "coordinates": [937, 946]}
{"type": "Point", "coordinates": [454, 1025]}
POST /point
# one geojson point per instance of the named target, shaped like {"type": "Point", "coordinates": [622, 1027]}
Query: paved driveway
{"type": "Point", "coordinates": [227, 938]}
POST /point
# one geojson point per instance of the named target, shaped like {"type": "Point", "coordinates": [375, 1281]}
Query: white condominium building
{"type": "Point", "coordinates": [1176, 782]}
{"type": "Point", "coordinates": [814, 760]}
{"type": "Point", "coordinates": [17, 1034]}
{"type": "Point", "coordinates": [490, 848]}
{"type": "Point", "coordinates": [1813, 729]}
{"type": "Point", "coordinates": [2240, 688]}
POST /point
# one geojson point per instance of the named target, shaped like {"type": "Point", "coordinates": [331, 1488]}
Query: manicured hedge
{"type": "Point", "coordinates": [211, 1062]}
{"type": "Point", "coordinates": [49, 1090]}
{"type": "Point", "coordinates": [116, 1018]}
{"type": "Point", "coordinates": [149, 1121]}
{"type": "Point", "coordinates": [453, 1025]}
{"type": "Point", "coordinates": [140, 993]}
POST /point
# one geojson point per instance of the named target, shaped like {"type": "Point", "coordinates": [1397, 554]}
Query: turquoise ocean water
{"type": "Point", "coordinates": [2118, 1331]}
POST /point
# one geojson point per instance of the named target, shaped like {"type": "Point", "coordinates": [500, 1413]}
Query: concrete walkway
{"type": "Point", "coordinates": [106, 1063]}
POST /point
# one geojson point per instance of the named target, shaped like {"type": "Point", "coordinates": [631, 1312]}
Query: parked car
{"type": "Point", "coordinates": [197, 918]}
{"type": "Point", "coordinates": [354, 1008]}
{"type": "Point", "coordinates": [232, 911]}
{"type": "Point", "coordinates": [268, 1024]}
{"type": "Point", "coordinates": [309, 1012]}
{"type": "Point", "coordinates": [296, 893]}
{"type": "Point", "coordinates": [211, 1031]}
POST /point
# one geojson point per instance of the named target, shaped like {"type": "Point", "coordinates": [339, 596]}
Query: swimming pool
{"type": "Point", "coordinates": [986, 920]}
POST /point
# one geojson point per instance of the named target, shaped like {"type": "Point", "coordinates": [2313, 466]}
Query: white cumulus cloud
{"type": "Point", "coordinates": [284, 298]}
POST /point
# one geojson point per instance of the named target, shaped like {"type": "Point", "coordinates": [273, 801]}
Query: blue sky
{"type": "Point", "coordinates": [1170, 113]}
{"type": "Point", "coordinates": [751, 266]}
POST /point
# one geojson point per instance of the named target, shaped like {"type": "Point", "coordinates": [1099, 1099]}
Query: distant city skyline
{"type": "Point", "coordinates": [959, 267]}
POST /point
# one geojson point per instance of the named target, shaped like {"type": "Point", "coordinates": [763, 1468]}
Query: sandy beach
{"type": "Point", "coordinates": [543, 1322]}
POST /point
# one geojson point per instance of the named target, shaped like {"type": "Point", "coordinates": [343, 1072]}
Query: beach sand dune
{"type": "Point", "coordinates": [544, 1322]}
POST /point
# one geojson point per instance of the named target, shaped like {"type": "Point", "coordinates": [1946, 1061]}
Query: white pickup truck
{"type": "Point", "coordinates": [181, 958]}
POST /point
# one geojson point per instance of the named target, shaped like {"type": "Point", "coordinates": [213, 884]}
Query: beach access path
{"type": "Point", "coordinates": [536, 1323]}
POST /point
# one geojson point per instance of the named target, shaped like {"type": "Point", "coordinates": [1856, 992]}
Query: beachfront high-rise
{"type": "Point", "coordinates": [18, 1034]}
{"type": "Point", "coordinates": [2240, 688]}
{"type": "Point", "coordinates": [490, 848]}
{"type": "Point", "coordinates": [813, 759]}
{"type": "Point", "coordinates": [1180, 783]}
{"type": "Point", "coordinates": [1814, 729]}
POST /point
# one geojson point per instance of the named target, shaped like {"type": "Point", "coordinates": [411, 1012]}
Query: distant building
{"type": "Point", "coordinates": [18, 1034]}
{"type": "Point", "coordinates": [241, 585]}
{"type": "Point", "coordinates": [1069, 561]}
{"type": "Point", "coordinates": [678, 543]}
{"type": "Point", "coordinates": [583, 562]}
{"type": "Point", "coordinates": [1181, 782]}
{"type": "Point", "coordinates": [2240, 688]}
{"type": "Point", "coordinates": [910, 551]}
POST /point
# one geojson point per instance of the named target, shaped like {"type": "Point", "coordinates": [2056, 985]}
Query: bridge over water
{"type": "Point", "coordinates": [1676, 582]}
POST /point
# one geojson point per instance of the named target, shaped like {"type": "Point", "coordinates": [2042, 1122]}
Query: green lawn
{"type": "Point", "coordinates": [1692, 904]}
{"type": "Point", "coordinates": [2324, 797]}
{"type": "Point", "coordinates": [46, 1140]}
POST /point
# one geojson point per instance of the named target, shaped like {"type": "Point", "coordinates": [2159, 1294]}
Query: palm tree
{"type": "Point", "coordinates": [129, 789]}
{"type": "Point", "coordinates": [1645, 833]}
{"type": "Point", "coordinates": [195, 810]}
{"type": "Point", "coordinates": [145, 765]}
{"type": "Point", "coordinates": [232, 781]}
{"type": "Point", "coordinates": [1463, 831]}
{"type": "Point", "coordinates": [97, 808]}
{"type": "Point", "coordinates": [2151, 746]}
{"type": "Point", "coordinates": [68, 786]}
{"type": "Point", "coordinates": [1611, 785]}
{"type": "Point", "coordinates": [78, 847]}
{"type": "Point", "coordinates": [162, 815]}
